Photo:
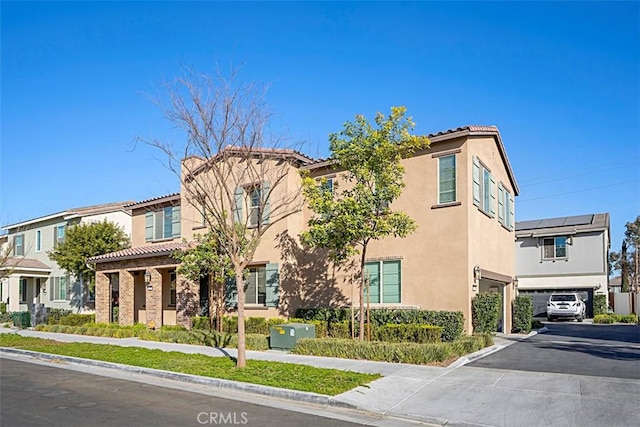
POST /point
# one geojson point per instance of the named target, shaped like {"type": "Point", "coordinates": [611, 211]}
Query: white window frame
{"type": "Point", "coordinates": [56, 288]}
{"type": "Point", "coordinates": [38, 240]}
{"type": "Point", "coordinates": [555, 248]}
{"type": "Point", "coordinates": [56, 238]}
{"type": "Point", "coordinates": [455, 179]}
{"type": "Point", "coordinates": [260, 271]}
{"type": "Point", "coordinates": [381, 279]}
{"type": "Point", "coordinates": [254, 194]}
{"type": "Point", "coordinates": [17, 252]}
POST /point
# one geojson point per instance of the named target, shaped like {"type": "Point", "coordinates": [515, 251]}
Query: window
{"type": "Point", "coordinates": [447, 179]}
{"type": "Point", "coordinates": [172, 288]}
{"type": "Point", "coordinates": [554, 247]}
{"type": "Point", "coordinates": [384, 281]}
{"type": "Point", "coordinates": [23, 290]}
{"type": "Point", "coordinates": [505, 207]}
{"type": "Point", "coordinates": [256, 286]}
{"type": "Point", "coordinates": [255, 199]}
{"type": "Point", "coordinates": [58, 235]}
{"type": "Point", "coordinates": [18, 245]}
{"type": "Point", "coordinates": [483, 188]}
{"type": "Point", "coordinates": [162, 224]}
{"type": "Point", "coordinates": [59, 288]}
{"type": "Point", "coordinates": [38, 240]}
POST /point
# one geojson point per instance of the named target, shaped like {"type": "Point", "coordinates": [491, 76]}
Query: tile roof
{"type": "Point", "coordinates": [154, 200]}
{"type": "Point", "coordinates": [20, 263]}
{"type": "Point", "coordinates": [139, 252]}
{"type": "Point", "coordinates": [567, 224]}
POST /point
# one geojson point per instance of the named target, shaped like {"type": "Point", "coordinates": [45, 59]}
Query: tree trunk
{"type": "Point", "coordinates": [212, 302]}
{"type": "Point", "coordinates": [242, 361]}
{"type": "Point", "coordinates": [362, 279]}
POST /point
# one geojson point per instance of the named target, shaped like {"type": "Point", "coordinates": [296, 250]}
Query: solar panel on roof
{"type": "Point", "coordinates": [527, 225]}
{"type": "Point", "coordinates": [579, 220]}
{"type": "Point", "coordinates": [553, 222]}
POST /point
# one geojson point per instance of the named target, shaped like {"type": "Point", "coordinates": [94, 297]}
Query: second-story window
{"type": "Point", "coordinates": [162, 224]}
{"type": "Point", "coordinates": [554, 247]}
{"type": "Point", "coordinates": [484, 194]}
{"type": "Point", "coordinates": [38, 240]}
{"type": "Point", "coordinates": [58, 235]}
{"type": "Point", "coordinates": [505, 207]}
{"type": "Point", "coordinates": [447, 179]}
{"type": "Point", "coordinates": [18, 245]}
{"type": "Point", "coordinates": [252, 204]}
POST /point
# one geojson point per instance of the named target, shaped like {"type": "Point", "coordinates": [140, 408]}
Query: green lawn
{"type": "Point", "coordinates": [275, 374]}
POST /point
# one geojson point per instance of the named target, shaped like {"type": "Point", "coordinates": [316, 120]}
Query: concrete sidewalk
{"type": "Point", "coordinates": [455, 395]}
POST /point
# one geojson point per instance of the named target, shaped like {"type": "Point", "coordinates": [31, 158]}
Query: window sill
{"type": "Point", "coordinates": [168, 239]}
{"type": "Point", "coordinates": [256, 306]}
{"type": "Point", "coordinates": [446, 205]}
{"type": "Point", "coordinates": [199, 227]}
{"type": "Point", "coordinates": [487, 214]}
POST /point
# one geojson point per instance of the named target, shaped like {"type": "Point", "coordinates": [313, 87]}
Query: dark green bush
{"type": "Point", "coordinates": [256, 325]}
{"type": "Point", "coordinates": [21, 319]}
{"type": "Point", "coordinates": [115, 314]}
{"type": "Point", "coordinates": [3, 307]}
{"type": "Point", "coordinates": [340, 330]}
{"type": "Point", "coordinates": [77, 319]}
{"type": "Point", "coordinates": [522, 314]}
{"type": "Point", "coordinates": [452, 322]}
{"type": "Point", "coordinates": [485, 312]}
{"type": "Point", "coordinates": [54, 315]}
{"type": "Point", "coordinates": [201, 323]}
{"type": "Point", "coordinates": [599, 304]}
{"type": "Point", "coordinates": [536, 324]}
{"type": "Point", "coordinates": [420, 334]}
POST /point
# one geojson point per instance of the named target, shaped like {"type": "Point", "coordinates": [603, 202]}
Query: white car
{"type": "Point", "coordinates": [566, 305]}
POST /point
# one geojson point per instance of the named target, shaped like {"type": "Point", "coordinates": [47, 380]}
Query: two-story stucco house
{"type": "Point", "coordinates": [460, 191]}
{"type": "Point", "coordinates": [567, 254]}
{"type": "Point", "coordinates": [30, 277]}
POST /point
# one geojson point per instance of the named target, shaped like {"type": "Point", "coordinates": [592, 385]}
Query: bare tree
{"type": "Point", "coordinates": [231, 166]}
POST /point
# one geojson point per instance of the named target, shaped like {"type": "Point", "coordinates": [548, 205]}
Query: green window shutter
{"type": "Point", "coordinates": [273, 285]}
{"type": "Point", "coordinates": [476, 181]}
{"type": "Point", "coordinates": [175, 222]}
{"type": "Point", "coordinates": [391, 281]}
{"type": "Point", "coordinates": [501, 204]}
{"type": "Point", "coordinates": [230, 292]}
{"type": "Point", "coordinates": [239, 201]}
{"type": "Point", "coordinates": [492, 192]}
{"type": "Point", "coordinates": [372, 269]}
{"type": "Point", "coordinates": [148, 227]}
{"type": "Point", "coordinates": [266, 196]}
{"type": "Point", "coordinates": [511, 211]}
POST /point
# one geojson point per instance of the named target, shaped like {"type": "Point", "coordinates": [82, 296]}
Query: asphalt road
{"type": "Point", "coordinates": [37, 395]}
{"type": "Point", "coordinates": [574, 348]}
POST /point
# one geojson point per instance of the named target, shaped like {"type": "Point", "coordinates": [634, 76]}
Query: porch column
{"type": "Point", "coordinates": [154, 299]}
{"type": "Point", "coordinates": [187, 300]}
{"type": "Point", "coordinates": [125, 316]}
{"type": "Point", "coordinates": [14, 293]}
{"type": "Point", "coordinates": [103, 298]}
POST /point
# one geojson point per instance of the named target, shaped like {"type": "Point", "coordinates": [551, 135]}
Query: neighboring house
{"type": "Point", "coordinates": [568, 254]}
{"type": "Point", "coordinates": [460, 192]}
{"type": "Point", "coordinates": [615, 285]}
{"type": "Point", "coordinates": [30, 277]}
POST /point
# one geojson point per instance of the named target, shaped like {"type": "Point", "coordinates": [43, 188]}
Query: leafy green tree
{"type": "Point", "coordinates": [632, 238]}
{"type": "Point", "coordinates": [626, 261]}
{"type": "Point", "coordinates": [204, 258]}
{"type": "Point", "coordinates": [83, 241]}
{"type": "Point", "coordinates": [347, 219]}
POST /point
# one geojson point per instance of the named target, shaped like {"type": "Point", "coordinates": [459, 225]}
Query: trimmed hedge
{"type": "Point", "coordinates": [603, 318]}
{"type": "Point", "coordinates": [54, 315]}
{"type": "Point", "coordinates": [615, 318]}
{"type": "Point", "coordinates": [3, 307]}
{"type": "Point", "coordinates": [252, 325]}
{"type": "Point", "coordinates": [485, 312]}
{"type": "Point", "coordinates": [5, 317]}
{"type": "Point", "coordinates": [340, 330]}
{"type": "Point", "coordinates": [77, 319]}
{"type": "Point", "coordinates": [452, 322]}
{"type": "Point", "coordinates": [522, 314]}
{"type": "Point", "coordinates": [599, 304]}
{"type": "Point", "coordinates": [421, 334]}
{"type": "Point", "coordinates": [391, 352]}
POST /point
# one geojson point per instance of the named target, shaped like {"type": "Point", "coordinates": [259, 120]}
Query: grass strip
{"type": "Point", "coordinates": [291, 376]}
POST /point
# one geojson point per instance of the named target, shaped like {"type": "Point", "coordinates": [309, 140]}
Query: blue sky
{"type": "Point", "coordinates": [560, 80]}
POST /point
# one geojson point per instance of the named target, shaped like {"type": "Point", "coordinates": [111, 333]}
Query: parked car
{"type": "Point", "coordinates": [567, 306]}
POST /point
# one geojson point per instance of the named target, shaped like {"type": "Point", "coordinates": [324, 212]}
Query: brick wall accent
{"type": "Point", "coordinates": [154, 299]}
{"type": "Point", "coordinates": [187, 300]}
{"type": "Point", "coordinates": [103, 298]}
{"type": "Point", "coordinates": [125, 316]}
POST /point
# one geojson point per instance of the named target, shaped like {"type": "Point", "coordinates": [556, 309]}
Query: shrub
{"type": "Point", "coordinates": [172, 328]}
{"type": "Point", "coordinates": [628, 318]}
{"type": "Point", "coordinates": [375, 350]}
{"type": "Point", "coordinates": [115, 314]}
{"type": "Point", "coordinates": [485, 312]}
{"type": "Point", "coordinates": [536, 324]}
{"type": "Point", "coordinates": [5, 317]}
{"type": "Point", "coordinates": [76, 319]}
{"type": "Point", "coordinates": [252, 341]}
{"type": "Point", "coordinates": [201, 323]}
{"type": "Point", "coordinates": [230, 324]}
{"type": "Point", "coordinates": [3, 307]}
{"type": "Point", "coordinates": [421, 334]}
{"type": "Point", "coordinates": [256, 325]}
{"type": "Point", "coordinates": [54, 315]}
{"type": "Point", "coordinates": [604, 318]}
{"type": "Point", "coordinates": [522, 314]}
{"type": "Point", "coordinates": [340, 330]}
{"type": "Point", "coordinates": [599, 304]}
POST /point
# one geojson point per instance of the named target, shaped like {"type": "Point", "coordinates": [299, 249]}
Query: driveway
{"type": "Point", "coordinates": [573, 348]}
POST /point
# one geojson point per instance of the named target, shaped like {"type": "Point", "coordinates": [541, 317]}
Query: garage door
{"type": "Point", "coordinates": [540, 299]}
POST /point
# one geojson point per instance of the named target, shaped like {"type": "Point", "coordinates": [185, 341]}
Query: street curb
{"type": "Point", "coordinates": [280, 393]}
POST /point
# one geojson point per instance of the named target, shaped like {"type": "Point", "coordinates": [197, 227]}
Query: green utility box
{"type": "Point", "coordinates": [21, 319]}
{"type": "Point", "coordinates": [285, 337]}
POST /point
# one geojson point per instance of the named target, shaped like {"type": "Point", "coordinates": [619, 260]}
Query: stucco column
{"type": "Point", "coordinates": [125, 316]}
{"type": "Point", "coordinates": [154, 299]}
{"type": "Point", "coordinates": [14, 293]}
{"type": "Point", "coordinates": [187, 300]}
{"type": "Point", "coordinates": [103, 298]}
